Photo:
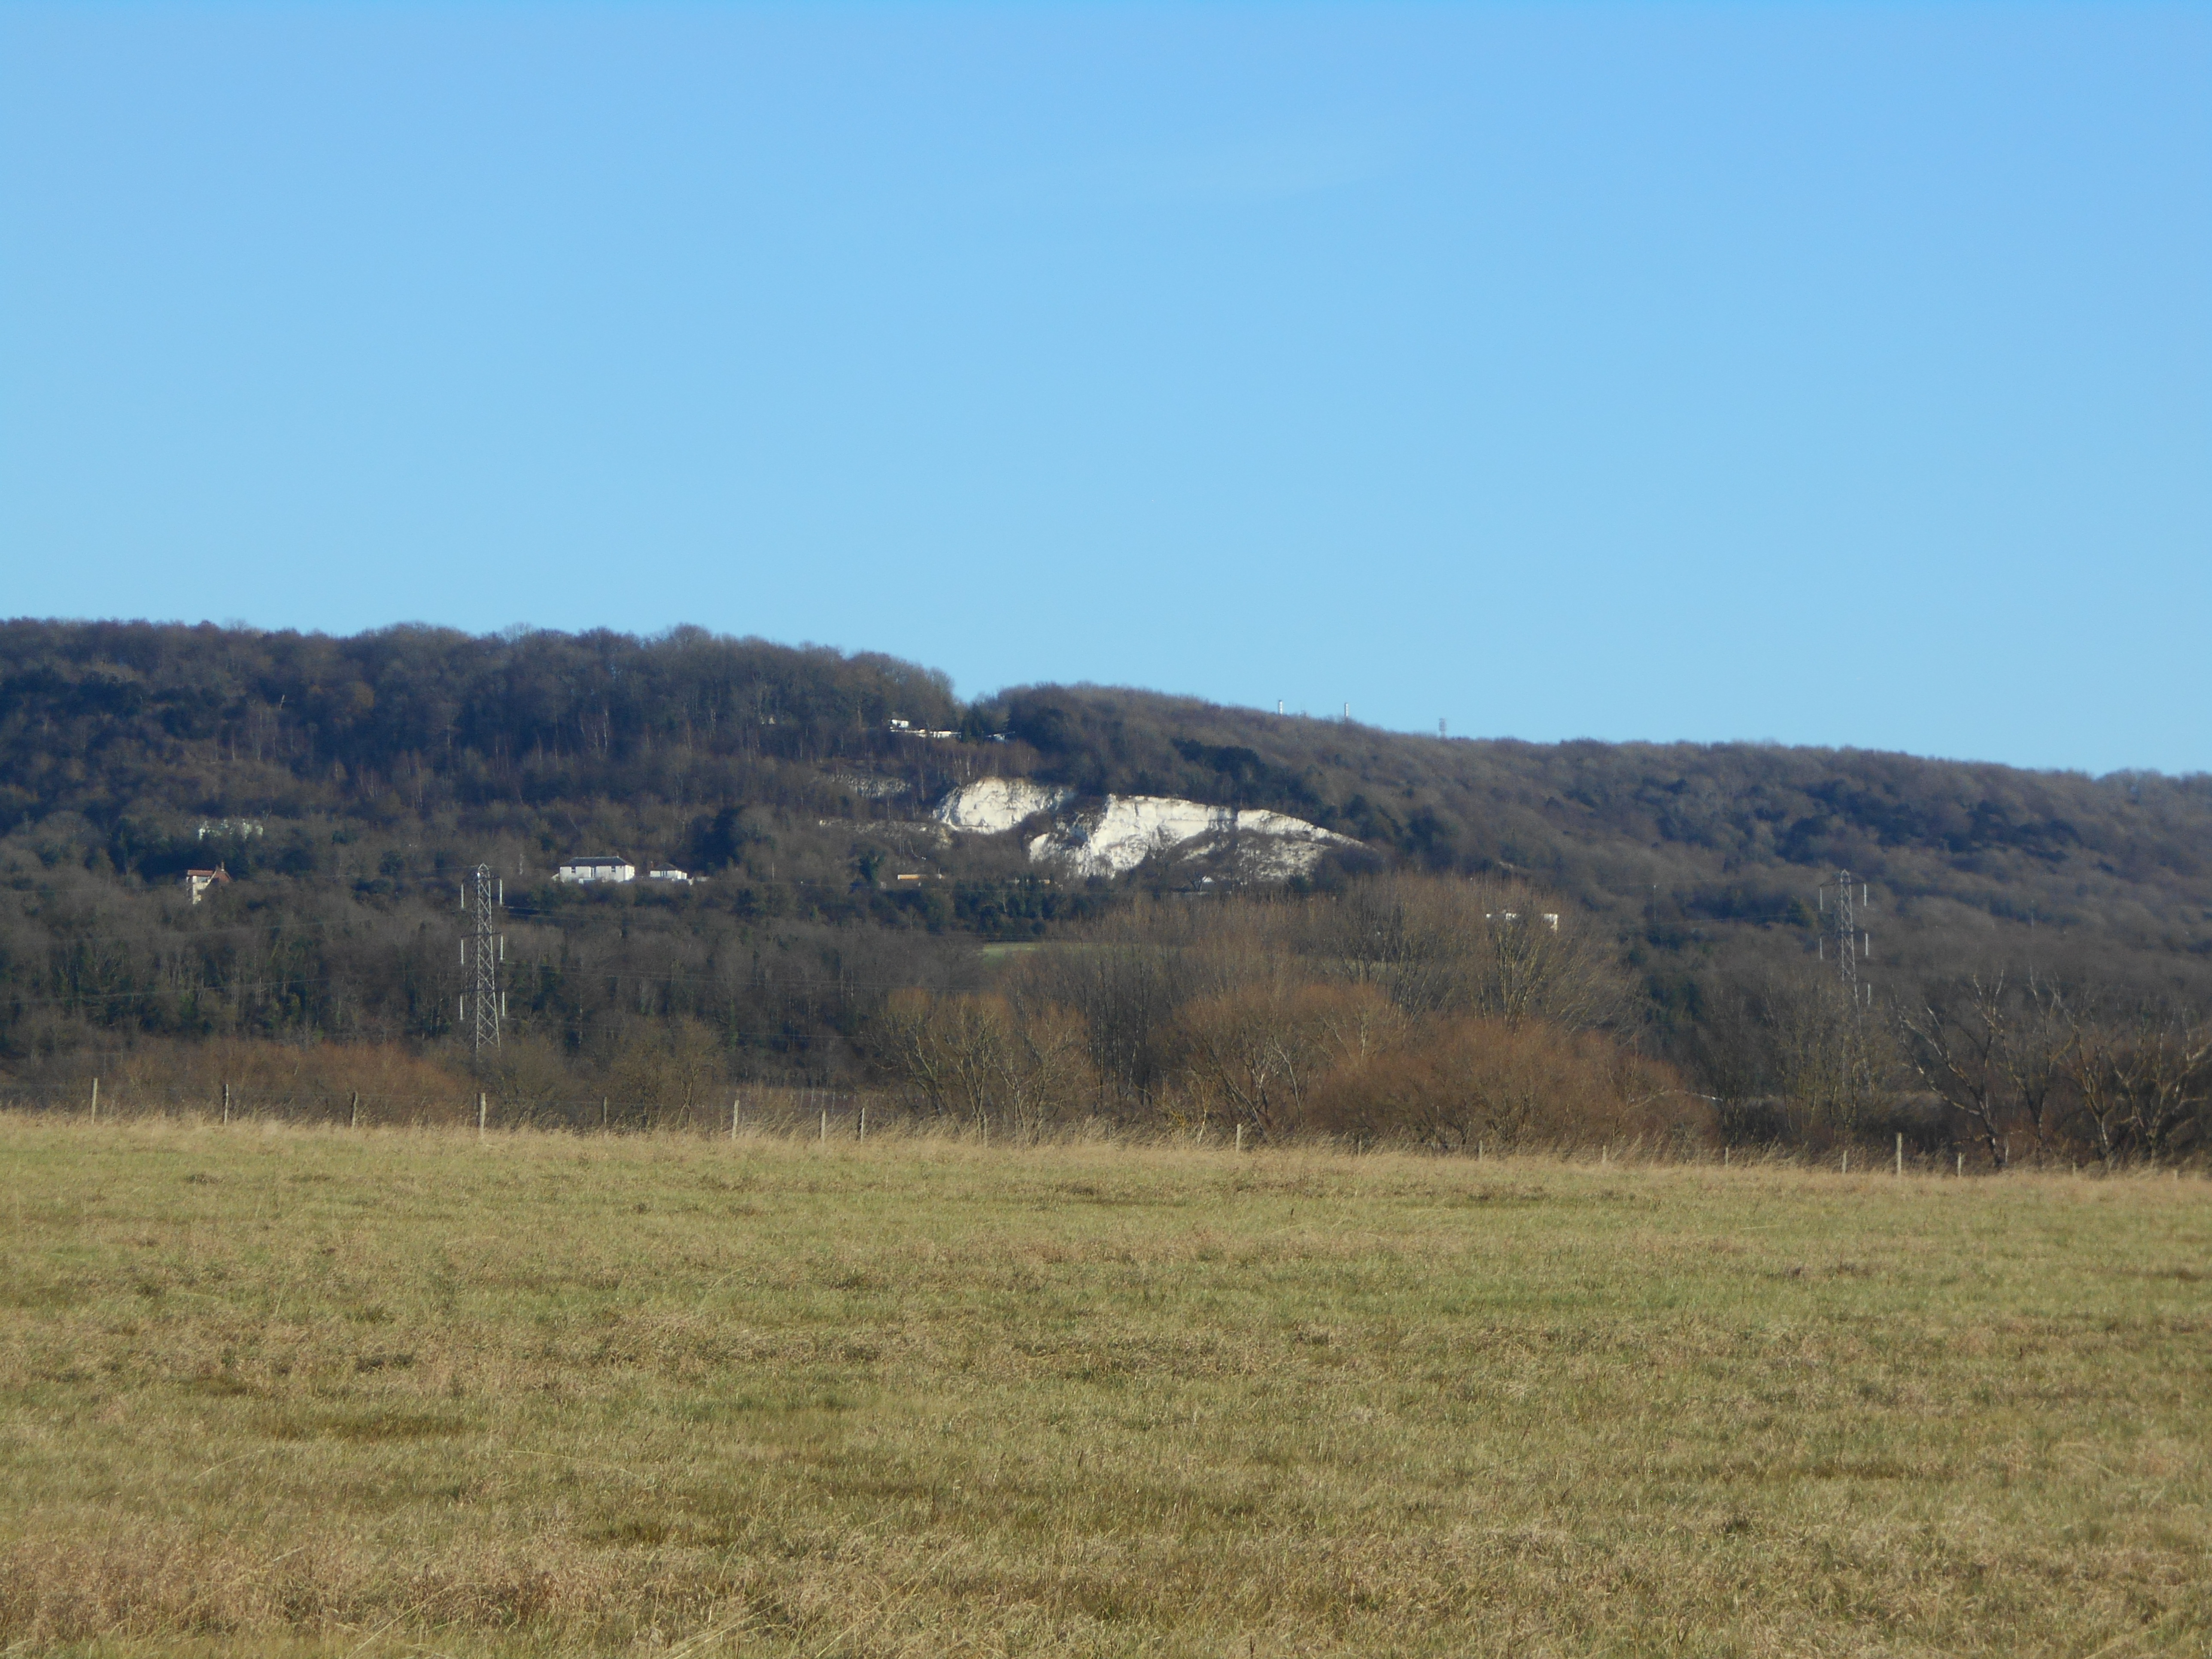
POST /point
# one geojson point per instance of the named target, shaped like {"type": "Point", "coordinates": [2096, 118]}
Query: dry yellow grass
{"type": "Point", "coordinates": [292, 1391]}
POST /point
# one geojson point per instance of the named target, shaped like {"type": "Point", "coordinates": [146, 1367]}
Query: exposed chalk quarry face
{"type": "Point", "coordinates": [1114, 836]}
{"type": "Point", "coordinates": [990, 806]}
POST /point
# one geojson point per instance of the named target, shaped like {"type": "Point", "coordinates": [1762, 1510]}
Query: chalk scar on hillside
{"type": "Point", "coordinates": [1113, 835]}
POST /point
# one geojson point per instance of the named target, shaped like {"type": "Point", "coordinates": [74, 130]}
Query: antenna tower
{"type": "Point", "coordinates": [485, 1003]}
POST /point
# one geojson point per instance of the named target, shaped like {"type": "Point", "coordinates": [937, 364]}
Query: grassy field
{"type": "Point", "coordinates": [290, 1391]}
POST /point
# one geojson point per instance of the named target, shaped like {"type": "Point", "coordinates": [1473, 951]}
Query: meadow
{"type": "Point", "coordinates": [293, 1391]}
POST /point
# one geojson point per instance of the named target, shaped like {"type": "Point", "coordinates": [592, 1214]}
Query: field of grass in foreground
{"type": "Point", "coordinates": [291, 1391]}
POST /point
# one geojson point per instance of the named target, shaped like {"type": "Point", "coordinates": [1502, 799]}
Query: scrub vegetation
{"type": "Point", "coordinates": [289, 1390]}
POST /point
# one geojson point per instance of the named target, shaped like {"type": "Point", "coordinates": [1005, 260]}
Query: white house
{"type": "Point", "coordinates": [666, 874]}
{"type": "Point", "coordinates": [603, 867]}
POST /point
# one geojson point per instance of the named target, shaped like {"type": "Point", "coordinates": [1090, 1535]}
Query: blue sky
{"type": "Point", "coordinates": [1837, 375]}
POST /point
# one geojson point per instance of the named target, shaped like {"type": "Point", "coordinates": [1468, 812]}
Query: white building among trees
{"type": "Point", "coordinates": [600, 867]}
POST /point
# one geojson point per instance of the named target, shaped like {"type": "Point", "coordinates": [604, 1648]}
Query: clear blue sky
{"type": "Point", "coordinates": [1841, 374]}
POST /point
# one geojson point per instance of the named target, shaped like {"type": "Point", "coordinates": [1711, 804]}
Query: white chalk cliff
{"type": "Point", "coordinates": [1114, 836]}
{"type": "Point", "coordinates": [990, 806]}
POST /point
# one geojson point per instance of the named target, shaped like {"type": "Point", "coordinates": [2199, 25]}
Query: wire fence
{"type": "Point", "coordinates": [768, 1108]}
{"type": "Point", "coordinates": [800, 1112]}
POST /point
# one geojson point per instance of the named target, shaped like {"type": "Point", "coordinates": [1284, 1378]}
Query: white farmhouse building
{"type": "Point", "coordinates": [604, 867]}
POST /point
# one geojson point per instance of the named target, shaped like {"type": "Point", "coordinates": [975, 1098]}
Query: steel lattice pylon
{"type": "Point", "coordinates": [1842, 914]}
{"type": "Point", "coordinates": [483, 989]}
{"type": "Point", "coordinates": [1841, 935]}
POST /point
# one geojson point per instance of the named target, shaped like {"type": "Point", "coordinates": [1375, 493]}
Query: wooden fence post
{"type": "Point", "coordinates": [483, 1114]}
{"type": "Point", "coordinates": [225, 1103]}
{"type": "Point", "coordinates": [1900, 1154]}
{"type": "Point", "coordinates": [355, 1122]}
{"type": "Point", "coordinates": [737, 1111]}
{"type": "Point", "coordinates": [95, 1100]}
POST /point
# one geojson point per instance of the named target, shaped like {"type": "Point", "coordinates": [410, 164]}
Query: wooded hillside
{"type": "Point", "coordinates": [344, 784]}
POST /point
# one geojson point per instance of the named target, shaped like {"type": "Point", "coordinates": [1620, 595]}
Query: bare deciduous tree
{"type": "Point", "coordinates": [986, 1059]}
{"type": "Point", "coordinates": [1962, 1048]}
{"type": "Point", "coordinates": [1837, 1067]}
{"type": "Point", "coordinates": [2143, 1078]}
{"type": "Point", "coordinates": [1254, 1054]}
{"type": "Point", "coordinates": [1500, 949]}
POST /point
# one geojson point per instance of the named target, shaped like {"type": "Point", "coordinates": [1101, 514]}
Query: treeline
{"type": "Point", "coordinates": [1397, 1009]}
{"type": "Point", "coordinates": [1415, 1009]}
{"type": "Point", "coordinates": [1380, 1009]}
{"type": "Point", "coordinates": [2001, 1068]}
{"type": "Point", "coordinates": [2034, 1069]}
{"type": "Point", "coordinates": [206, 716]}
{"type": "Point", "coordinates": [118, 741]}
{"type": "Point", "coordinates": [346, 785]}
{"type": "Point", "coordinates": [1700, 852]}
{"type": "Point", "coordinates": [781, 973]}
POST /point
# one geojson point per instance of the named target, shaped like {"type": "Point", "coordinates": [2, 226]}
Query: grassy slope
{"type": "Point", "coordinates": [298, 1391]}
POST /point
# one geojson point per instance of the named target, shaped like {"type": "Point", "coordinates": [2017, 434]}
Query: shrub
{"type": "Point", "coordinates": [1456, 1082]}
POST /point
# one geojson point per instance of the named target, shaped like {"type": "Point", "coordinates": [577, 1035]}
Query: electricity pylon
{"type": "Point", "coordinates": [485, 1003]}
{"type": "Point", "coordinates": [1841, 935]}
